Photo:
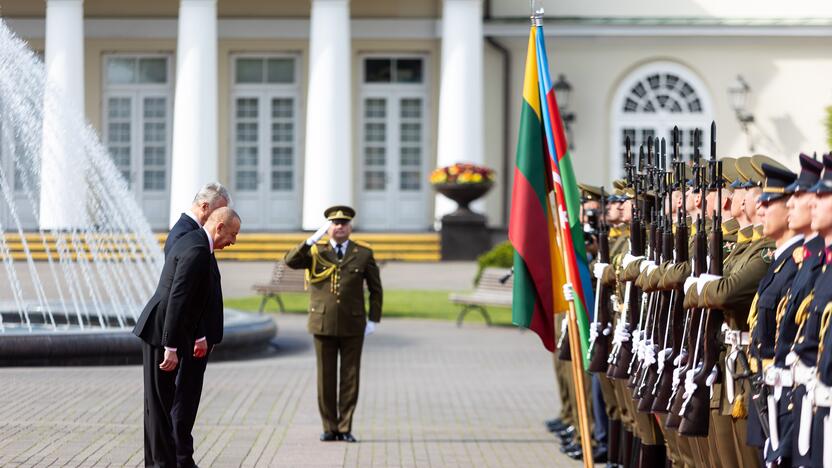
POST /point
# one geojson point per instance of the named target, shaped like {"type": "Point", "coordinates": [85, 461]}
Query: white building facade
{"type": "Point", "coordinates": [298, 105]}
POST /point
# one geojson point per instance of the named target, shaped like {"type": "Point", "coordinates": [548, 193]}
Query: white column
{"type": "Point", "coordinates": [460, 136]}
{"type": "Point", "coordinates": [194, 161]}
{"type": "Point", "coordinates": [63, 109]}
{"type": "Point", "coordinates": [328, 173]}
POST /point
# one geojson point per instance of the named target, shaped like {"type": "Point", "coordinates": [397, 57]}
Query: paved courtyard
{"type": "Point", "coordinates": [431, 395]}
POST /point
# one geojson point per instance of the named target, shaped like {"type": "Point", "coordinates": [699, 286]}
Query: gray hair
{"type": "Point", "coordinates": [211, 194]}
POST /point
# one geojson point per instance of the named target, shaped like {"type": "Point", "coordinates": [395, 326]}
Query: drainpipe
{"type": "Point", "coordinates": [506, 55]}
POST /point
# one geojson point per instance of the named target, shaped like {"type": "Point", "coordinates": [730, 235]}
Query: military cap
{"type": "Point", "coordinates": [729, 171]}
{"type": "Point", "coordinates": [777, 180]}
{"type": "Point", "coordinates": [339, 212]}
{"type": "Point", "coordinates": [810, 170]}
{"type": "Point", "coordinates": [748, 173]}
{"type": "Point", "coordinates": [589, 192]}
{"type": "Point", "coordinates": [740, 180]}
{"type": "Point", "coordinates": [824, 185]}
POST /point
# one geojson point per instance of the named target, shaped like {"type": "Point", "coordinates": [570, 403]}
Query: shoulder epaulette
{"type": "Point", "coordinates": [366, 245]}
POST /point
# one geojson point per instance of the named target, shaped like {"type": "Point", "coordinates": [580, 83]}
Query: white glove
{"type": "Point", "coordinates": [628, 259]}
{"type": "Point", "coordinates": [568, 292]}
{"type": "Point", "coordinates": [370, 328]}
{"type": "Point", "coordinates": [314, 238]}
{"type": "Point", "coordinates": [689, 282]}
{"type": "Point", "coordinates": [705, 279]}
{"type": "Point", "coordinates": [645, 265]}
{"type": "Point", "coordinates": [598, 269]}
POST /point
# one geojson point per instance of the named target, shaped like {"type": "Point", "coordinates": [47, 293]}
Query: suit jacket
{"type": "Point", "coordinates": [211, 324]}
{"type": "Point", "coordinates": [184, 225]}
{"type": "Point", "coordinates": [186, 291]}
{"type": "Point", "coordinates": [336, 308]}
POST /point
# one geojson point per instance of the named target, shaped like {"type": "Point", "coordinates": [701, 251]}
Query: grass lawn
{"type": "Point", "coordinates": [397, 303]}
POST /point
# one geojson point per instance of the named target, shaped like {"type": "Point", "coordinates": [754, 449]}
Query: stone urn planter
{"type": "Point", "coordinates": [463, 194]}
{"type": "Point", "coordinates": [464, 233]}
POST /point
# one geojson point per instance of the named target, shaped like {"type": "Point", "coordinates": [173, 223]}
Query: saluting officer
{"type": "Point", "coordinates": [336, 273]}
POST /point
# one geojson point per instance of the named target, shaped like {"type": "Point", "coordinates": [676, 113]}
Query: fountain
{"type": "Point", "coordinates": [99, 263]}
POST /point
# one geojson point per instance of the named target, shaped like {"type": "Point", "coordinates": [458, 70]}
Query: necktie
{"type": "Point", "coordinates": [338, 251]}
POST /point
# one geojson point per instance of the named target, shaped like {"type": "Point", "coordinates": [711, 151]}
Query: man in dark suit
{"type": "Point", "coordinates": [189, 289]}
{"type": "Point", "coordinates": [192, 366]}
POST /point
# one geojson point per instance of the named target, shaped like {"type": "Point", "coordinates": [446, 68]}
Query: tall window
{"type": "Point", "coordinates": [265, 139]}
{"type": "Point", "coordinates": [651, 101]}
{"type": "Point", "coordinates": [393, 142]}
{"type": "Point", "coordinates": [137, 127]}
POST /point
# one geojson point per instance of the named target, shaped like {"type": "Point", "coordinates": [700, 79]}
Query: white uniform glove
{"type": "Point", "coordinates": [568, 292]}
{"type": "Point", "coordinates": [318, 234]}
{"type": "Point", "coordinates": [370, 328]}
{"type": "Point", "coordinates": [628, 259]}
{"type": "Point", "coordinates": [689, 282]}
{"type": "Point", "coordinates": [598, 269]}
{"type": "Point", "coordinates": [705, 279]}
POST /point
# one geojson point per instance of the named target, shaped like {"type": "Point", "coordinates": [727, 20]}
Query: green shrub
{"type": "Point", "coordinates": [501, 256]}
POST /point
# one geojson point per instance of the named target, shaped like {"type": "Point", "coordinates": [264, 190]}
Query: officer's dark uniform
{"type": "Point", "coordinates": [808, 266]}
{"type": "Point", "coordinates": [772, 289]}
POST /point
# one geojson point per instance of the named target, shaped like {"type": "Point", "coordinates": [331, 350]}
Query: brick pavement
{"type": "Point", "coordinates": [431, 395]}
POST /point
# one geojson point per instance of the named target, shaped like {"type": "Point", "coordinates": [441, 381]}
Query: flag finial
{"type": "Point", "coordinates": [537, 12]}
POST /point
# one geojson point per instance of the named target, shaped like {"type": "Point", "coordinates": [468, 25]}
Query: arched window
{"type": "Point", "coordinates": [650, 101]}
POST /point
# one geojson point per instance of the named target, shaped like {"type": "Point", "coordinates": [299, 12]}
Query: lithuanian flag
{"type": "Point", "coordinates": [568, 197]}
{"type": "Point", "coordinates": [538, 267]}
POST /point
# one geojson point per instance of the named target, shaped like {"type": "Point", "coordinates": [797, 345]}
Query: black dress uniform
{"type": "Point", "coordinates": [772, 289]}
{"type": "Point", "coordinates": [808, 266]}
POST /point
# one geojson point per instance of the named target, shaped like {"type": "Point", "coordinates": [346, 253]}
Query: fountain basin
{"type": "Point", "coordinates": [244, 334]}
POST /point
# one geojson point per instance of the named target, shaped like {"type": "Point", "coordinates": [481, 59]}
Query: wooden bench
{"type": "Point", "coordinates": [284, 279]}
{"type": "Point", "coordinates": [489, 292]}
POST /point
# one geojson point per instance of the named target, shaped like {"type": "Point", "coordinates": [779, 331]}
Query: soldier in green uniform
{"type": "Point", "coordinates": [338, 319]}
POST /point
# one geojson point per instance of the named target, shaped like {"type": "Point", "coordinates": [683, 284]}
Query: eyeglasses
{"type": "Point", "coordinates": [340, 222]}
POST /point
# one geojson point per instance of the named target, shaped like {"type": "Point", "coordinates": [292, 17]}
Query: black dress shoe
{"type": "Point", "coordinates": [329, 436]}
{"type": "Point", "coordinates": [555, 425]}
{"type": "Point", "coordinates": [571, 447]}
{"type": "Point", "coordinates": [599, 454]}
{"type": "Point", "coordinates": [566, 433]}
{"type": "Point", "coordinates": [347, 437]}
{"type": "Point", "coordinates": [575, 454]}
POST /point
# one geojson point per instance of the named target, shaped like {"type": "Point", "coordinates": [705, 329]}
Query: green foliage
{"type": "Point", "coordinates": [829, 126]}
{"type": "Point", "coordinates": [424, 304]}
{"type": "Point", "coordinates": [501, 256]}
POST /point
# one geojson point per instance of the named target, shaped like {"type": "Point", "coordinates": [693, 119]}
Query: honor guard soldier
{"type": "Point", "coordinates": [772, 289]}
{"type": "Point", "coordinates": [807, 258]}
{"type": "Point", "coordinates": [338, 319]}
{"type": "Point", "coordinates": [812, 440]}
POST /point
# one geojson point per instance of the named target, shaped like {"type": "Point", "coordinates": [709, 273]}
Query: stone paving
{"type": "Point", "coordinates": [432, 395]}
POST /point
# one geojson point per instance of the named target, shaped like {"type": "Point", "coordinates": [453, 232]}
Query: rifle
{"type": "Point", "coordinates": [622, 346]}
{"type": "Point", "coordinates": [664, 246]}
{"type": "Point", "coordinates": [673, 345]}
{"type": "Point", "coordinates": [688, 362]}
{"type": "Point", "coordinates": [599, 343]}
{"type": "Point", "coordinates": [695, 420]}
{"type": "Point", "coordinates": [640, 333]}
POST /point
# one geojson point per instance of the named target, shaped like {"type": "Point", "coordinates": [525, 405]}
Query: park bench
{"type": "Point", "coordinates": [283, 280]}
{"type": "Point", "coordinates": [490, 291]}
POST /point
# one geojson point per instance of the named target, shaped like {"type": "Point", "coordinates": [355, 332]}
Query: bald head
{"type": "Point", "coordinates": [223, 224]}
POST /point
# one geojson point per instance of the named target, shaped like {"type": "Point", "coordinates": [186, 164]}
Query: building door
{"type": "Point", "coordinates": [393, 190]}
{"type": "Point", "coordinates": [265, 142]}
{"type": "Point", "coordinates": [650, 102]}
{"type": "Point", "coordinates": [137, 128]}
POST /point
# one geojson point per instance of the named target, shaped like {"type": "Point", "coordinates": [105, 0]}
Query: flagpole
{"type": "Point", "coordinates": [572, 326]}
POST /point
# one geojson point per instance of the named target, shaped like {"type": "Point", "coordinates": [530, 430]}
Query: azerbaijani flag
{"type": "Point", "coordinates": [538, 268]}
{"type": "Point", "coordinates": [568, 197]}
